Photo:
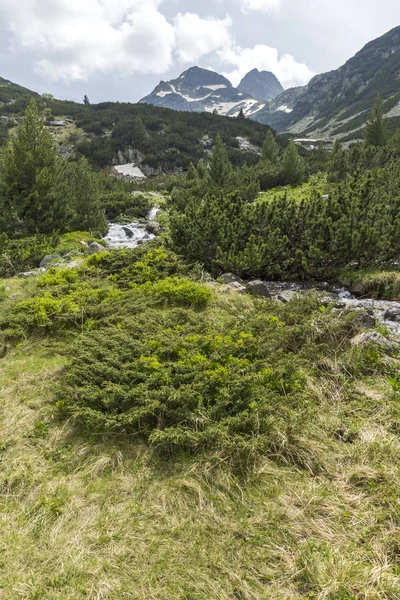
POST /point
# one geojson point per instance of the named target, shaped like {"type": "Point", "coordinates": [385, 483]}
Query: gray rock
{"type": "Point", "coordinates": [286, 296]}
{"type": "Point", "coordinates": [392, 314]}
{"type": "Point", "coordinates": [153, 227]}
{"type": "Point", "coordinates": [95, 247]}
{"type": "Point", "coordinates": [358, 289]}
{"type": "Point", "coordinates": [375, 338]}
{"type": "Point", "coordinates": [230, 288]}
{"type": "Point", "coordinates": [259, 288]}
{"type": "Point", "coordinates": [230, 278]}
{"type": "Point", "coordinates": [366, 319]}
{"type": "Point", "coordinates": [49, 258]}
{"type": "Point", "coordinates": [128, 232]}
{"type": "Point", "coordinates": [28, 274]}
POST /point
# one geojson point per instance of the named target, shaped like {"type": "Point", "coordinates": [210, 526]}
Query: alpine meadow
{"type": "Point", "coordinates": [199, 318]}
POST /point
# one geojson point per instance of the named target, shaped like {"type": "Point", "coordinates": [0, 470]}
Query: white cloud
{"type": "Point", "coordinates": [289, 72]}
{"type": "Point", "coordinates": [75, 39]}
{"type": "Point", "coordinates": [265, 6]}
{"type": "Point", "coordinates": [197, 37]}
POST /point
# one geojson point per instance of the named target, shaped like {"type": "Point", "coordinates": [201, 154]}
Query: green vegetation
{"type": "Point", "coordinates": [166, 440]}
{"type": "Point", "coordinates": [163, 436]}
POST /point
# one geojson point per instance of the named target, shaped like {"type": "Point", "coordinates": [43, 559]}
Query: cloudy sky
{"type": "Point", "coordinates": [120, 49]}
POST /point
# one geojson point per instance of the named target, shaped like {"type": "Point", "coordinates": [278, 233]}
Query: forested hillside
{"type": "Point", "coordinates": [166, 140]}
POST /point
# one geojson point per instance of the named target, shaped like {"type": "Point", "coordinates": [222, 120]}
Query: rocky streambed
{"type": "Point", "coordinates": [132, 234]}
{"type": "Point", "coordinates": [385, 312]}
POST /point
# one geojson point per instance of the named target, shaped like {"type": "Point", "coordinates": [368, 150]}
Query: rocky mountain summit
{"type": "Point", "coordinates": [198, 90]}
{"type": "Point", "coordinates": [262, 85]}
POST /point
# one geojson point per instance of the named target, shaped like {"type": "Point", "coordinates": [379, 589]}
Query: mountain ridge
{"type": "Point", "coordinates": [198, 90]}
{"type": "Point", "coordinates": [337, 103]}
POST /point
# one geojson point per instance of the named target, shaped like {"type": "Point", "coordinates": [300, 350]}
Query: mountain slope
{"type": "Point", "coordinates": [262, 85]}
{"type": "Point", "coordinates": [336, 103]}
{"type": "Point", "coordinates": [154, 138]}
{"type": "Point", "coordinates": [198, 90]}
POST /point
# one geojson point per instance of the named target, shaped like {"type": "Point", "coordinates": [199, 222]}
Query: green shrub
{"type": "Point", "coordinates": [57, 277]}
{"type": "Point", "coordinates": [180, 291]}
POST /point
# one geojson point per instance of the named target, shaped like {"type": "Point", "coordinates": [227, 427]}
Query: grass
{"type": "Point", "coordinates": [84, 516]}
{"type": "Point", "coordinates": [384, 284]}
{"type": "Point", "coordinates": [300, 192]}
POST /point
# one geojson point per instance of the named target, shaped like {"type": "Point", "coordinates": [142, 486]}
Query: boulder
{"type": "Point", "coordinates": [153, 227]}
{"type": "Point", "coordinates": [49, 258]}
{"type": "Point", "coordinates": [231, 288]}
{"type": "Point", "coordinates": [95, 247]}
{"type": "Point", "coordinates": [259, 288]}
{"type": "Point", "coordinates": [230, 278]}
{"type": "Point", "coordinates": [373, 337]}
{"type": "Point", "coordinates": [366, 319]}
{"type": "Point", "coordinates": [392, 314]}
{"type": "Point", "coordinates": [286, 296]}
{"type": "Point", "coordinates": [129, 232]}
{"type": "Point", "coordinates": [358, 289]}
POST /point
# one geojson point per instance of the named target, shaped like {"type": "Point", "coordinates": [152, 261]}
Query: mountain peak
{"type": "Point", "coordinates": [262, 85]}
{"type": "Point", "coordinates": [198, 89]}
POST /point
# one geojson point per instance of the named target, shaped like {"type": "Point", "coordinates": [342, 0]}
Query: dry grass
{"type": "Point", "coordinates": [90, 519]}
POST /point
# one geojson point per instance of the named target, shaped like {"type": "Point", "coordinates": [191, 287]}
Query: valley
{"type": "Point", "coordinates": [200, 340]}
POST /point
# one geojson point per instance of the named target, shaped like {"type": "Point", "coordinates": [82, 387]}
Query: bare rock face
{"type": "Point", "coordinates": [262, 85]}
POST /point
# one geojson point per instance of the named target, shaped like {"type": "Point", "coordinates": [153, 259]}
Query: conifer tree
{"type": "Point", "coordinates": [241, 114]}
{"type": "Point", "coordinates": [192, 173]}
{"type": "Point", "coordinates": [139, 131]}
{"type": "Point", "coordinates": [201, 169]}
{"type": "Point", "coordinates": [80, 185]}
{"type": "Point", "coordinates": [337, 164]}
{"type": "Point", "coordinates": [376, 130]}
{"type": "Point", "coordinates": [292, 164]}
{"type": "Point", "coordinates": [29, 178]}
{"type": "Point", "coordinates": [270, 149]}
{"type": "Point", "coordinates": [220, 167]}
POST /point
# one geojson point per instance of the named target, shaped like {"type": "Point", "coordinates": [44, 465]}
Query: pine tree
{"type": "Point", "coordinates": [240, 115]}
{"type": "Point", "coordinates": [86, 100]}
{"type": "Point", "coordinates": [80, 185]}
{"type": "Point", "coordinates": [202, 169]}
{"type": "Point", "coordinates": [376, 130]}
{"type": "Point", "coordinates": [30, 178]}
{"type": "Point", "coordinates": [139, 131]}
{"type": "Point", "coordinates": [220, 167]}
{"type": "Point", "coordinates": [270, 149]}
{"type": "Point", "coordinates": [292, 164]}
{"type": "Point", "coordinates": [338, 164]}
{"type": "Point", "coordinates": [192, 174]}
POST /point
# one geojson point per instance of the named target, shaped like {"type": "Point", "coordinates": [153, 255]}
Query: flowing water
{"type": "Point", "coordinates": [386, 312]}
{"type": "Point", "coordinates": [130, 235]}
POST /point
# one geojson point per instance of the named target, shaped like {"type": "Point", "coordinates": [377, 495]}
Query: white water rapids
{"type": "Point", "coordinates": [130, 235]}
